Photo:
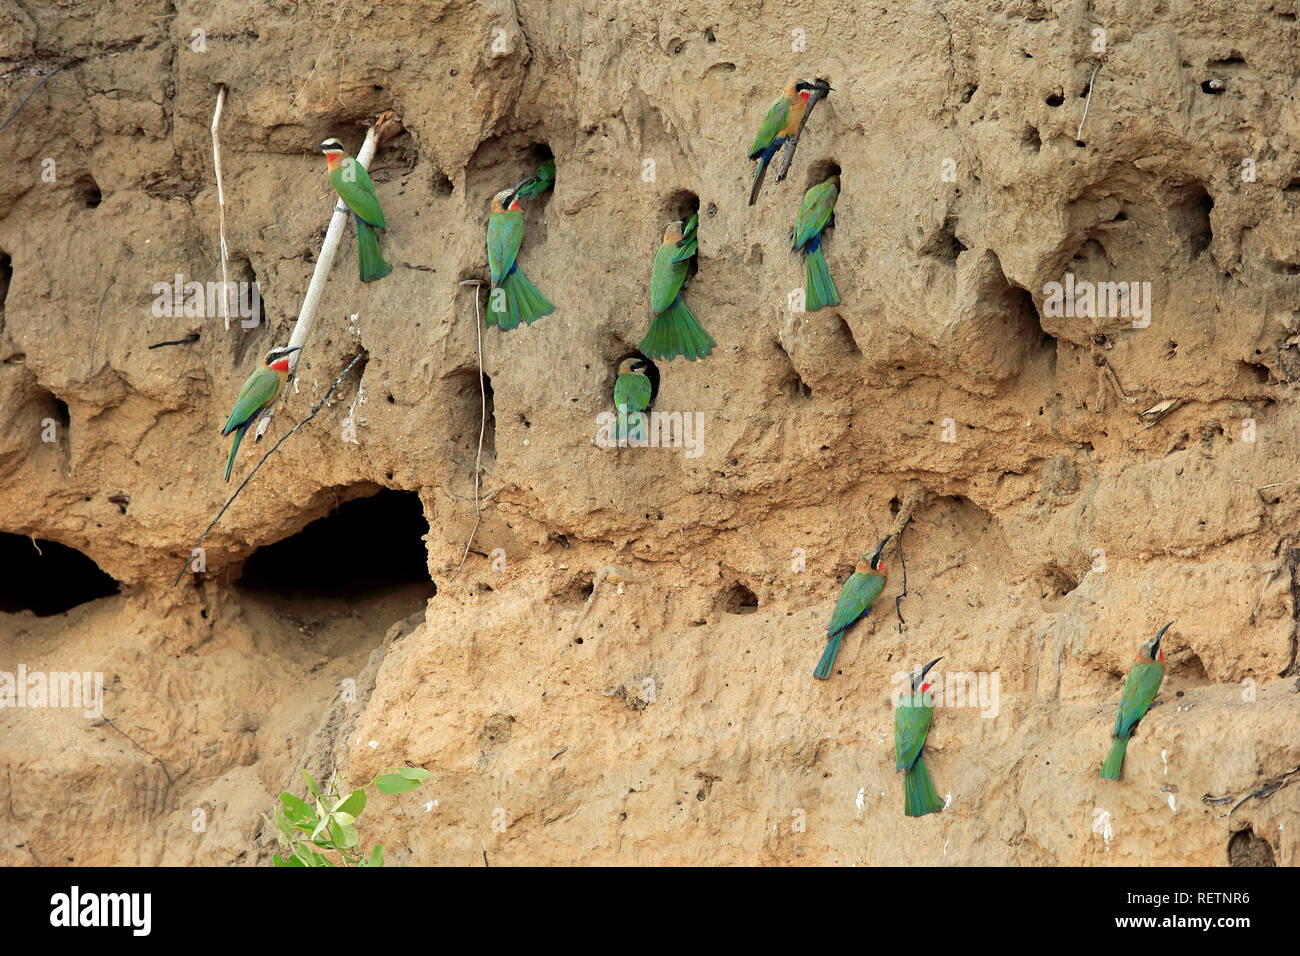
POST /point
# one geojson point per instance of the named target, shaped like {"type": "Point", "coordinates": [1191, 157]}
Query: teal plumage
{"type": "Point", "coordinates": [858, 594]}
{"type": "Point", "coordinates": [816, 213]}
{"type": "Point", "coordinates": [912, 719]}
{"type": "Point", "coordinates": [633, 393]}
{"type": "Point", "coordinates": [351, 181]}
{"type": "Point", "coordinates": [513, 298]}
{"type": "Point", "coordinates": [674, 330]}
{"type": "Point", "coordinates": [1140, 690]}
{"type": "Point", "coordinates": [259, 393]}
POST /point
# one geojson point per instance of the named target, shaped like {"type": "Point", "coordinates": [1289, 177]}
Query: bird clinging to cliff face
{"type": "Point", "coordinates": [674, 330]}
{"type": "Point", "coordinates": [859, 593]}
{"type": "Point", "coordinates": [542, 181]}
{"type": "Point", "coordinates": [634, 392]}
{"type": "Point", "coordinates": [781, 122]}
{"type": "Point", "coordinates": [1140, 690]}
{"type": "Point", "coordinates": [815, 215]}
{"type": "Point", "coordinates": [259, 393]}
{"type": "Point", "coordinates": [351, 181]}
{"type": "Point", "coordinates": [513, 298]}
{"type": "Point", "coordinates": [912, 719]}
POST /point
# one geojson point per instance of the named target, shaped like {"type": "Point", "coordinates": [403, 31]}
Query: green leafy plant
{"type": "Point", "coordinates": [326, 834]}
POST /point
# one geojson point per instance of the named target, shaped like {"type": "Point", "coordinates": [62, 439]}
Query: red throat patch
{"type": "Point", "coordinates": [804, 95]}
{"type": "Point", "coordinates": [332, 159]}
{"type": "Point", "coordinates": [514, 205]}
{"type": "Point", "coordinates": [280, 366]}
{"type": "Point", "coordinates": [925, 687]}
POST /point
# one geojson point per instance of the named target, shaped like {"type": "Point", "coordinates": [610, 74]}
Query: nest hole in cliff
{"type": "Point", "coordinates": [819, 172]}
{"type": "Point", "coordinates": [842, 333]}
{"type": "Point", "coordinates": [364, 547]}
{"type": "Point", "coordinates": [52, 417]}
{"type": "Point", "coordinates": [468, 417]}
{"type": "Point", "coordinates": [1190, 218]}
{"type": "Point", "coordinates": [87, 191]}
{"type": "Point", "coordinates": [739, 599]}
{"type": "Point", "coordinates": [1247, 848]}
{"type": "Point", "coordinates": [791, 383]}
{"type": "Point", "coordinates": [6, 277]}
{"type": "Point", "coordinates": [680, 204]}
{"type": "Point", "coordinates": [943, 244]}
{"type": "Point", "coordinates": [48, 578]}
{"type": "Point", "coordinates": [502, 162]}
{"type": "Point", "coordinates": [651, 372]}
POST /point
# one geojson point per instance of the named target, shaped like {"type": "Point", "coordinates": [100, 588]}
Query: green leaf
{"type": "Point", "coordinates": [414, 773]}
{"type": "Point", "coordinates": [278, 860]}
{"type": "Point", "coordinates": [396, 783]}
{"type": "Point", "coordinates": [294, 808]}
{"type": "Point", "coordinates": [377, 855]}
{"type": "Point", "coordinates": [350, 837]}
{"type": "Point", "coordinates": [352, 804]}
{"type": "Point", "coordinates": [312, 785]}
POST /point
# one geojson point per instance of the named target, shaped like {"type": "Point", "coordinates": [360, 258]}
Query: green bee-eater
{"type": "Point", "coordinates": [351, 181]}
{"type": "Point", "coordinates": [860, 591]}
{"type": "Point", "coordinates": [513, 297]}
{"type": "Point", "coordinates": [781, 122]}
{"type": "Point", "coordinates": [816, 214]}
{"type": "Point", "coordinates": [1140, 689]}
{"type": "Point", "coordinates": [912, 719]}
{"type": "Point", "coordinates": [543, 181]}
{"type": "Point", "coordinates": [634, 393]}
{"type": "Point", "coordinates": [258, 394]}
{"type": "Point", "coordinates": [674, 331]}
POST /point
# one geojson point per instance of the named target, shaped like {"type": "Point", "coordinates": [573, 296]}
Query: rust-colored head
{"type": "Point", "coordinates": [673, 231]}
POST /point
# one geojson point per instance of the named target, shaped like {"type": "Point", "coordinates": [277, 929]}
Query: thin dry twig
{"type": "Point", "coordinates": [109, 721]}
{"type": "Point", "coordinates": [221, 204]}
{"type": "Point", "coordinates": [249, 477]}
{"type": "Point", "coordinates": [1079, 134]}
{"type": "Point", "coordinates": [482, 424]}
{"type": "Point", "coordinates": [45, 79]}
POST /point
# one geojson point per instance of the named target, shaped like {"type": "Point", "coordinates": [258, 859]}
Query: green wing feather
{"type": "Point", "coordinates": [632, 392]}
{"type": "Point", "coordinates": [505, 234]}
{"type": "Point", "coordinates": [260, 388]}
{"type": "Point", "coordinates": [353, 185]}
{"type": "Point", "coordinates": [860, 591]}
{"type": "Point", "coordinates": [666, 278]}
{"type": "Point", "coordinates": [690, 240]}
{"type": "Point", "coordinates": [815, 213]}
{"type": "Point", "coordinates": [911, 725]}
{"type": "Point", "coordinates": [543, 181]}
{"type": "Point", "coordinates": [773, 123]}
{"type": "Point", "coordinates": [1140, 689]}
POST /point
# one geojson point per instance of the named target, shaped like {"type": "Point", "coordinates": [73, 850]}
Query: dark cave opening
{"type": "Point", "coordinates": [48, 578]}
{"type": "Point", "coordinates": [363, 547]}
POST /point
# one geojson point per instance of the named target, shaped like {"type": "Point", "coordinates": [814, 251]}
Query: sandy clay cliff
{"type": "Point", "coordinates": [664, 711]}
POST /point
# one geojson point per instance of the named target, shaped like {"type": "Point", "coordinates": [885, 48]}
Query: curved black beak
{"type": "Point", "coordinates": [318, 149]}
{"type": "Point", "coordinates": [293, 348]}
{"type": "Point", "coordinates": [515, 192]}
{"type": "Point", "coordinates": [1156, 645]}
{"type": "Point", "coordinates": [926, 669]}
{"type": "Point", "coordinates": [875, 558]}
